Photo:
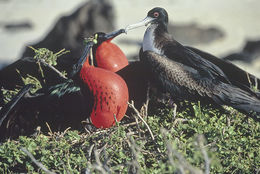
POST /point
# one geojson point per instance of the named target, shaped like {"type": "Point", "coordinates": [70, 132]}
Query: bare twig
{"type": "Point", "coordinates": [130, 124]}
{"type": "Point", "coordinates": [147, 99]}
{"type": "Point", "coordinates": [50, 131]}
{"type": "Point", "coordinates": [170, 156]}
{"type": "Point", "coordinates": [131, 105]}
{"type": "Point", "coordinates": [53, 68]}
{"type": "Point", "coordinates": [91, 57]}
{"type": "Point", "coordinates": [40, 165]}
{"type": "Point", "coordinates": [102, 148]}
{"type": "Point", "coordinates": [135, 151]}
{"type": "Point", "coordinates": [228, 121]}
{"type": "Point", "coordinates": [170, 151]}
{"type": "Point", "coordinates": [64, 132]}
{"type": "Point", "coordinates": [137, 125]}
{"type": "Point", "coordinates": [182, 164]}
{"type": "Point", "coordinates": [179, 120]}
{"type": "Point", "coordinates": [210, 144]}
{"type": "Point", "coordinates": [90, 150]}
{"type": "Point", "coordinates": [98, 165]}
{"type": "Point", "coordinates": [65, 167]}
{"type": "Point", "coordinates": [106, 160]}
{"type": "Point", "coordinates": [174, 110]}
{"type": "Point", "coordinates": [204, 153]}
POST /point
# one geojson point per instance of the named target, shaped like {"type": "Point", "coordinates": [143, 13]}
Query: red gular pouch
{"type": "Point", "coordinates": [110, 94]}
{"type": "Point", "coordinates": [109, 56]}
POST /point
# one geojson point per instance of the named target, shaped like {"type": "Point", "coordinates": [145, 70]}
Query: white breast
{"type": "Point", "coordinates": [148, 41]}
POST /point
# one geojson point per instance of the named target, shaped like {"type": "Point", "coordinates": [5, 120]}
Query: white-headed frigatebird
{"type": "Point", "coordinates": [184, 73]}
{"type": "Point", "coordinates": [90, 91]}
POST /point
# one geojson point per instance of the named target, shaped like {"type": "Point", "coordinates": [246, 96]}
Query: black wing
{"type": "Point", "coordinates": [177, 78]}
{"type": "Point", "coordinates": [236, 75]}
{"type": "Point", "coordinates": [188, 83]}
{"type": "Point", "coordinates": [178, 53]}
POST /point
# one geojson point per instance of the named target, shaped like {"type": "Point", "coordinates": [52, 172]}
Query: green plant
{"type": "Point", "coordinates": [230, 145]}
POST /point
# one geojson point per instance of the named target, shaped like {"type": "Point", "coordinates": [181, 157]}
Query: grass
{"type": "Point", "coordinates": [196, 138]}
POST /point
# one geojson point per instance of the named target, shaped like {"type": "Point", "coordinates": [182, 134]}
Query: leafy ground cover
{"type": "Point", "coordinates": [194, 140]}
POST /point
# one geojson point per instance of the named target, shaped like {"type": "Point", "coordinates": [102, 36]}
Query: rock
{"type": "Point", "coordinates": [188, 34]}
{"type": "Point", "coordinates": [191, 34]}
{"type": "Point", "coordinates": [68, 33]}
{"type": "Point", "coordinates": [18, 26]}
{"type": "Point", "coordinates": [249, 53]}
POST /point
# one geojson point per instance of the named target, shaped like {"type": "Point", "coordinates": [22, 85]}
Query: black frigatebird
{"type": "Point", "coordinates": [184, 73]}
{"type": "Point", "coordinates": [236, 75]}
{"type": "Point", "coordinates": [65, 104]}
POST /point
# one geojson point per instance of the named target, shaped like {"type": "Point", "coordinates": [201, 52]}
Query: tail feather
{"type": "Point", "coordinates": [11, 105]}
{"type": "Point", "coordinates": [239, 99]}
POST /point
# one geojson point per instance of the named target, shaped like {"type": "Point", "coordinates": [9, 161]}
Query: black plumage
{"type": "Point", "coordinates": [237, 76]}
{"type": "Point", "coordinates": [185, 74]}
{"type": "Point", "coordinates": [61, 106]}
{"type": "Point", "coordinates": [64, 104]}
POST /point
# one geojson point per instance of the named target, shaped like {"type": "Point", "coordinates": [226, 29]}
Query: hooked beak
{"type": "Point", "coordinates": [77, 67]}
{"type": "Point", "coordinates": [144, 22]}
{"type": "Point", "coordinates": [114, 34]}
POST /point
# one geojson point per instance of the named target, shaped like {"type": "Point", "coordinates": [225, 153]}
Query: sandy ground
{"type": "Point", "coordinates": [238, 19]}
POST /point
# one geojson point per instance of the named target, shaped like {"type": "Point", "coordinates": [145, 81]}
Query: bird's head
{"type": "Point", "coordinates": [158, 15]}
{"type": "Point", "coordinates": [101, 37]}
{"type": "Point", "coordinates": [155, 16]}
{"type": "Point", "coordinates": [93, 41]}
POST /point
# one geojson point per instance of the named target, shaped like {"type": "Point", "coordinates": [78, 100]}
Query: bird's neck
{"type": "Point", "coordinates": [154, 38]}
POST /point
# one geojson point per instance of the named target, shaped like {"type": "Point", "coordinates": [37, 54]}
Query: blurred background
{"type": "Point", "coordinates": [227, 29]}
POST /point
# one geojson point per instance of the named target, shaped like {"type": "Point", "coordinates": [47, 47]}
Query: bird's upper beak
{"type": "Point", "coordinates": [114, 34]}
{"type": "Point", "coordinates": [144, 22]}
{"type": "Point", "coordinates": [77, 67]}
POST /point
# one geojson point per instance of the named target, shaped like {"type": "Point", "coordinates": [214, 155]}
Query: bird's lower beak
{"type": "Point", "coordinates": [114, 34]}
{"type": "Point", "coordinates": [144, 22]}
{"type": "Point", "coordinates": [77, 67]}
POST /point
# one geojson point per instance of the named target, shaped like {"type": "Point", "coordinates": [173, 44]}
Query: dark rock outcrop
{"type": "Point", "coordinates": [187, 34]}
{"type": "Point", "coordinates": [250, 52]}
{"type": "Point", "coordinates": [68, 33]}
{"type": "Point", "coordinates": [191, 34]}
{"type": "Point", "coordinates": [18, 26]}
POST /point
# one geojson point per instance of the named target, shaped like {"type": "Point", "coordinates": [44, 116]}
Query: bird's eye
{"type": "Point", "coordinates": [156, 14]}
